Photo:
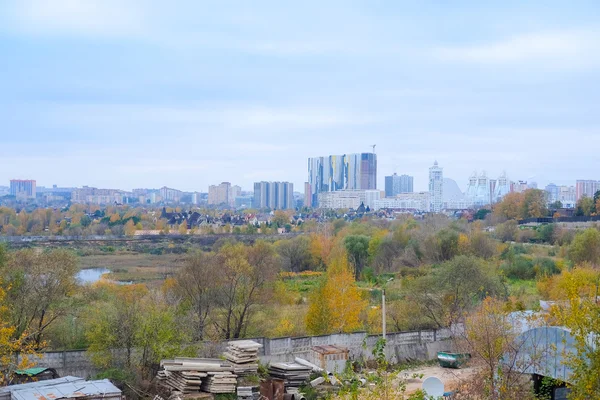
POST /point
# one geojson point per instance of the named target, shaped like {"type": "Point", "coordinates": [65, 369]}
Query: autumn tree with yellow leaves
{"type": "Point", "coordinates": [579, 311]}
{"type": "Point", "coordinates": [336, 304]}
{"type": "Point", "coordinates": [11, 343]}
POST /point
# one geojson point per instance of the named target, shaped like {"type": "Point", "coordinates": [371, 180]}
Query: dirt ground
{"type": "Point", "coordinates": [450, 377]}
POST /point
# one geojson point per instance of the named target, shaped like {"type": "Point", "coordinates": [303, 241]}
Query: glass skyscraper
{"type": "Point", "coordinates": [339, 172]}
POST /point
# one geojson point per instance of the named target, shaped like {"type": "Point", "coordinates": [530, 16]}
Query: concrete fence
{"type": "Point", "coordinates": [401, 346]}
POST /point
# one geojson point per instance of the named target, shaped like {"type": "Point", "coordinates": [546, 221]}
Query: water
{"type": "Point", "coordinates": [91, 275]}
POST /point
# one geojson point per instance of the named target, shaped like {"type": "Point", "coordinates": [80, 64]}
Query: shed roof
{"type": "Point", "coordinates": [78, 389]}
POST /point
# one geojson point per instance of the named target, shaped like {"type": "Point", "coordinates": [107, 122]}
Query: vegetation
{"type": "Point", "coordinates": [326, 279]}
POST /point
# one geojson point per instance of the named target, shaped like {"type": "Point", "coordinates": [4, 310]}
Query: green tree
{"type": "Point", "coordinates": [586, 247]}
{"type": "Point", "coordinates": [242, 273]}
{"type": "Point", "coordinates": [585, 207]}
{"type": "Point", "coordinates": [295, 253]}
{"type": "Point", "coordinates": [455, 288]}
{"type": "Point", "coordinates": [40, 288]}
{"type": "Point", "coordinates": [357, 247]}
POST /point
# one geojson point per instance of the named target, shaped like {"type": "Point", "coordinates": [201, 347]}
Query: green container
{"type": "Point", "coordinates": [452, 360]}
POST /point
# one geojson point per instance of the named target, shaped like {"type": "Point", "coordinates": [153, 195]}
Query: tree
{"type": "Point", "coordinates": [40, 285]}
{"type": "Point", "coordinates": [195, 282]}
{"type": "Point", "coordinates": [580, 313]}
{"type": "Point", "coordinates": [129, 228]}
{"type": "Point", "coordinates": [491, 337]}
{"type": "Point", "coordinates": [586, 247]}
{"type": "Point", "coordinates": [510, 206]}
{"type": "Point", "coordinates": [183, 228]}
{"type": "Point", "coordinates": [11, 343]}
{"type": "Point", "coordinates": [336, 304]}
{"type": "Point", "coordinates": [455, 288]}
{"type": "Point", "coordinates": [134, 318]}
{"type": "Point", "coordinates": [357, 248]}
{"type": "Point", "coordinates": [159, 334]}
{"type": "Point", "coordinates": [387, 253]}
{"type": "Point", "coordinates": [280, 218]}
{"type": "Point", "coordinates": [294, 253]}
{"type": "Point", "coordinates": [241, 275]}
{"type": "Point", "coordinates": [114, 326]}
{"type": "Point", "coordinates": [507, 232]}
{"type": "Point", "coordinates": [534, 204]}
{"type": "Point", "coordinates": [585, 206]}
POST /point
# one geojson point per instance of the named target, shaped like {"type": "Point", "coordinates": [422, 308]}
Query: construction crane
{"type": "Point", "coordinates": [373, 146]}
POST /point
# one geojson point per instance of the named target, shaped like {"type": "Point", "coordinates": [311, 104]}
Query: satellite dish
{"type": "Point", "coordinates": [433, 387]}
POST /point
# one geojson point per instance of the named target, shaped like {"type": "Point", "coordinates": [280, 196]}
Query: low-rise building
{"type": "Point", "coordinates": [350, 198]}
{"type": "Point", "coordinates": [417, 201]}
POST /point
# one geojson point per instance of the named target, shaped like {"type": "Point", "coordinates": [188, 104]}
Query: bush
{"type": "Point", "coordinates": [545, 267]}
{"type": "Point", "coordinates": [519, 268]}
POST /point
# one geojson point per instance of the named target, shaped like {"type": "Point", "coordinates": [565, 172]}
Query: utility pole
{"type": "Point", "coordinates": [383, 311]}
{"type": "Point", "coordinates": [383, 320]}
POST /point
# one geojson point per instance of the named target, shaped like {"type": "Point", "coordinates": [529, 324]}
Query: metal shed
{"type": "Point", "coordinates": [6, 391]}
{"type": "Point", "coordinates": [89, 390]}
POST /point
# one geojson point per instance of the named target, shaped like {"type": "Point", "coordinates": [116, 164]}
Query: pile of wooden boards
{"type": "Point", "coordinates": [189, 375]}
{"type": "Point", "coordinates": [243, 355]}
{"type": "Point", "coordinates": [248, 393]}
{"type": "Point", "coordinates": [293, 374]}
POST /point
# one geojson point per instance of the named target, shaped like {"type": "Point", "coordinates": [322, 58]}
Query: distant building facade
{"type": "Point", "coordinates": [307, 195]}
{"type": "Point", "coordinates": [169, 195]}
{"type": "Point", "coordinates": [418, 201]}
{"type": "Point", "coordinates": [396, 184]}
{"type": "Point", "coordinates": [23, 188]}
{"type": "Point", "coordinates": [341, 172]}
{"type": "Point", "coordinates": [90, 195]}
{"type": "Point", "coordinates": [586, 188]}
{"type": "Point", "coordinates": [274, 195]}
{"type": "Point", "coordinates": [348, 198]}
{"type": "Point", "coordinates": [565, 194]}
{"type": "Point", "coordinates": [219, 194]}
{"type": "Point", "coordinates": [234, 191]}
{"type": "Point", "coordinates": [436, 187]}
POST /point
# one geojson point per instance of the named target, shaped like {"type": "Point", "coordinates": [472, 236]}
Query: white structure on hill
{"type": "Point", "coordinates": [436, 187]}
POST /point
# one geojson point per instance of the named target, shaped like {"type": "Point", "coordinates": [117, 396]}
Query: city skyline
{"type": "Point", "coordinates": [139, 94]}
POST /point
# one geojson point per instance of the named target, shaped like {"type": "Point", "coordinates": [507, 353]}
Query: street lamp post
{"type": "Point", "coordinates": [383, 321]}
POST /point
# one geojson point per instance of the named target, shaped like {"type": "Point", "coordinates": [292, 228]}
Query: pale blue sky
{"type": "Point", "coordinates": [133, 93]}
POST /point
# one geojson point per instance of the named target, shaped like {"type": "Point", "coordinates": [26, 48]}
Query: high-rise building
{"type": "Point", "coordinates": [274, 195]}
{"type": "Point", "coordinates": [22, 188]}
{"type": "Point", "coordinates": [234, 191]}
{"type": "Point", "coordinates": [307, 195]}
{"type": "Point", "coordinates": [436, 187]}
{"type": "Point", "coordinates": [553, 192]}
{"type": "Point", "coordinates": [339, 172]}
{"type": "Point", "coordinates": [396, 184]}
{"type": "Point", "coordinates": [219, 194]}
{"type": "Point", "coordinates": [586, 188]}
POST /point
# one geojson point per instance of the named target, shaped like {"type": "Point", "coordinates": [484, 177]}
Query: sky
{"type": "Point", "coordinates": [145, 94]}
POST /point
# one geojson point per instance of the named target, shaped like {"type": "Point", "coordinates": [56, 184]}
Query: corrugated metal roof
{"type": "Point", "coordinates": [49, 382]}
{"type": "Point", "coordinates": [68, 390]}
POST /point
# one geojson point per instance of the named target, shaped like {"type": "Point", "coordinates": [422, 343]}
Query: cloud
{"type": "Point", "coordinates": [228, 116]}
{"type": "Point", "coordinates": [75, 17]}
{"type": "Point", "coordinates": [561, 48]}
